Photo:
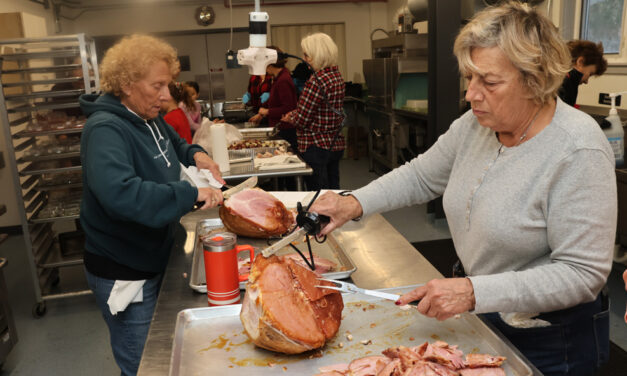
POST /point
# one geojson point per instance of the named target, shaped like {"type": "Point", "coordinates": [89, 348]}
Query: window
{"type": "Point", "coordinates": [602, 21]}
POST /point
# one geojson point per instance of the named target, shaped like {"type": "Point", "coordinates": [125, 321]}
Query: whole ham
{"type": "Point", "coordinates": [256, 213]}
{"type": "Point", "coordinates": [283, 311]}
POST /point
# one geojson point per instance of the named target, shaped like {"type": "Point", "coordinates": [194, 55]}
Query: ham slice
{"type": "Point", "coordinates": [485, 371]}
{"type": "Point", "coordinates": [283, 311]}
{"type": "Point", "coordinates": [483, 360]}
{"type": "Point", "coordinates": [256, 213]}
{"type": "Point", "coordinates": [429, 359]}
{"type": "Point", "coordinates": [322, 265]}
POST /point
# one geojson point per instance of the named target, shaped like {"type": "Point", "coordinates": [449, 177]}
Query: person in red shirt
{"type": "Point", "coordinates": [257, 95]}
{"type": "Point", "coordinates": [319, 114]}
{"type": "Point", "coordinates": [175, 116]}
{"type": "Point", "coordinates": [282, 100]}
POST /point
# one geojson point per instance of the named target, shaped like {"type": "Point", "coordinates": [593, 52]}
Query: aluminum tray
{"type": "Point", "coordinates": [330, 250]}
{"type": "Point", "coordinates": [212, 341]}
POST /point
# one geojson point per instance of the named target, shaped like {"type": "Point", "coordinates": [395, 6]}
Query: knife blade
{"type": "Point", "coordinates": [269, 251]}
{"type": "Point", "coordinates": [248, 183]}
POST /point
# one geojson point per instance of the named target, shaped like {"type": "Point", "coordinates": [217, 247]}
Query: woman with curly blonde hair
{"type": "Point", "coordinates": [529, 192]}
{"type": "Point", "coordinates": [132, 194]}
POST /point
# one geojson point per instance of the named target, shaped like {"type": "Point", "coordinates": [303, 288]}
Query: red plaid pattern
{"type": "Point", "coordinates": [256, 87]}
{"type": "Point", "coordinates": [316, 124]}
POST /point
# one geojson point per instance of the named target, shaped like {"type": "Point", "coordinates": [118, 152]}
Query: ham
{"type": "Point", "coordinates": [483, 360]}
{"type": "Point", "coordinates": [485, 371]}
{"type": "Point", "coordinates": [429, 359]}
{"type": "Point", "coordinates": [283, 311]}
{"type": "Point", "coordinates": [256, 213]}
{"type": "Point", "coordinates": [322, 265]}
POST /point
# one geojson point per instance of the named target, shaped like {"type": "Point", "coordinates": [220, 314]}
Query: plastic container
{"type": "Point", "coordinates": [616, 136]}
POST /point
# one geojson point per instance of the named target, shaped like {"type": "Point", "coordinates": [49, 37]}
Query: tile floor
{"type": "Point", "coordinates": [72, 339]}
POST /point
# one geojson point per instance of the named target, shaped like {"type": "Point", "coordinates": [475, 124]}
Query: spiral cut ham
{"type": "Point", "coordinates": [255, 213]}
{"type": "Point", "coordinates": [283, 311]}
{"type": "Point", "coordinates": [429, 359]}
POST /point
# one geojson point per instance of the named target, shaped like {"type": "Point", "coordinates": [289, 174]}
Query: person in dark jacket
{"type": "Point", "coordinates": [588, 60]}
{"type": "Point", "coordinates": [132, 194]}
{"type": "Point", "coordinates": [282, 100]}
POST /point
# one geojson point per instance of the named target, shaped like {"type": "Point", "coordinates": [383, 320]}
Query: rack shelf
{"type": "Point", "coordinates": [38, 179]}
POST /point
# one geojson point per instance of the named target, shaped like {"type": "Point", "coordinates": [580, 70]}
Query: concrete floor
{"type": "Point", "coordinates": [72, 338]}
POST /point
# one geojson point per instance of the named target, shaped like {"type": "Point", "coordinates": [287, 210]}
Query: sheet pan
{"type": "Point", "coordinates": [212, 340]}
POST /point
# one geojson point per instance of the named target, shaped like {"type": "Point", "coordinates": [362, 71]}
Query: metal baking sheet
{"type": "Point", "coordinates": [212, 340]}
{"type": "Point", "coordinates": [330, 250]}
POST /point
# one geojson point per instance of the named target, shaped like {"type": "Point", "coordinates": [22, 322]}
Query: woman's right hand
{"type": "Point", "coordinates": [210, 196]}
{"type": "Point", "coordinates": [340, 209]}
{"type": "Point", "coordinates": [256, 119]}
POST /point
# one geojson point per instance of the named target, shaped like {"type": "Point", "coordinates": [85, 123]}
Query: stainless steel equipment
{"type": "Point", "coordinates": [208, 340]}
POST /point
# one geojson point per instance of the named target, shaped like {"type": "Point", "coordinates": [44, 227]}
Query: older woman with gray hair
{"type": "Point", "coordinates": [529, 192]}
{"type": "Point", "coordinates": [132, 193]}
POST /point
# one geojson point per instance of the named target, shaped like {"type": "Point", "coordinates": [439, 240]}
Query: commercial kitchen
{"type": "Point", "coordinates": [402, 90]}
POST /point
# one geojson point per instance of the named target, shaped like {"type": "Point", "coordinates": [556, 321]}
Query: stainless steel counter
{"type": "Point", "coordinates": [384, 258]}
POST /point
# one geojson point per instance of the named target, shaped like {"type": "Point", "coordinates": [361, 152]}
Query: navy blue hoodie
{"type": "Point", "coordinates": [132, 195]}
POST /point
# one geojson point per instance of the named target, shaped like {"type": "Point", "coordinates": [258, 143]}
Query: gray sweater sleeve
{"type": "Point", "coordinates": [418, 181]}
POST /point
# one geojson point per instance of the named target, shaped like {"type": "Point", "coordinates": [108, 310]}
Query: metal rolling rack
{"type": "Point", "coordinates": [26, 70]}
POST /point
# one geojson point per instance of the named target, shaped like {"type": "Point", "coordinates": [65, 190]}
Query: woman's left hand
{"type": "Point", "coordinates": [203, 161]}
{"type": "Point", "coordinates": [263, 111]}
{"type": "Point", "coordinates": [442, 298]}
{"type": "Point", "coordinates": [287, 118]}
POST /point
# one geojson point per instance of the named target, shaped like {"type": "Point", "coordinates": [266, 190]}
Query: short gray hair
{"type": "Point", "coordinates": [321, 49]}
{"type": "Point", "coordinates": [530, 41]}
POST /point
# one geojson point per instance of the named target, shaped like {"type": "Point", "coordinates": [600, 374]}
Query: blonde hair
{"type": "Point", "coordinates": [321, 49]}
{"type": "Point", "coordinates": [530, 41]}
{"type": "Point", "coordinates": [130, 59]}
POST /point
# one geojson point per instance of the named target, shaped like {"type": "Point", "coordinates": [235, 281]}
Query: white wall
{"type": "Point", "coordinates": [360, 19]}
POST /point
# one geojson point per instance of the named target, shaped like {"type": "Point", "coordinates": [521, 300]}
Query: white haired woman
{"type": "Point", "coordinates": [318, 116]}
{"type": "Point", "coordinates": [529, 192]}
{"type": "Point", "coordinates": [132, 194]}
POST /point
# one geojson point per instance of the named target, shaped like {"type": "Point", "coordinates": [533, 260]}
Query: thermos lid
{"type": "Point", "coordinates": [220, 242]}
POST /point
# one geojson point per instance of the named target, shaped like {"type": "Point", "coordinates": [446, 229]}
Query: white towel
{"type": "Point", "coordinates": [125, 293]}
{"type": "Point", "coordinates": [199, 178]}
{"type": "Point", "coordinates": [279, 162]}
{"type": "Point", "coordinates": [523, 320]}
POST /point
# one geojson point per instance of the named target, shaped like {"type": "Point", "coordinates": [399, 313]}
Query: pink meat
{"type": "Point", "coordinates": [243, 265]}
{"type": "Point", "coordinates": [369, 365]}
{"type": "Point", "coordinates": [256, 213]}
{"type": "Point", "coordinates": [330, 373]}
{"type": "Point", "coordinates": [486, 371]}
{"type": "Point", "coordinates": [322, 265]}
{"type": "Point", "coordinates": [442, 353]}
{"type": "Point", "coordinates": [391, 368]}
{"type": "Point", "coordinates": [424, 368]}
{"type": "Point", "coordinates": [408, 357]}
{"type": "Point", "coordinates": [483, 360]}
{"type": "Point", "coordinates": [341, 367]}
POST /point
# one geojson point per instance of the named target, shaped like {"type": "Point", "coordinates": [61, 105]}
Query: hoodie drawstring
{"type": "Point", "coordinates": [157, 142]}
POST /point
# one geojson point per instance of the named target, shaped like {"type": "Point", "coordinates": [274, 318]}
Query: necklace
{"type": "Point", "coordinates": [524, 135]}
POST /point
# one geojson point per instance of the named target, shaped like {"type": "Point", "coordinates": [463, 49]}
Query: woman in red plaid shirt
{"type": "Point", "coordinates": [318, 121]}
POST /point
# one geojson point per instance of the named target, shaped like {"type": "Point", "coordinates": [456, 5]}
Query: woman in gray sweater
{"type": "Point", "coordinates": [529, 192]}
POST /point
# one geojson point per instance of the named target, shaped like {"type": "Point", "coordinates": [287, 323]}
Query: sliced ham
{"type": "Point", "coordinates": [442, 353]}
{"type": "Point", "coordinates": [483, 360]}
{"type": "Point", "coordinates": [256, 213]}
{"type": "Point", "coordinates": [283, 311]}
{"type": "Point", "coordinates": [322, 265]}
{"type": "Point", "coordinates": [342, 368]}
{"type": "Point", "coordinates": [370, 365]}
{"type": "Point", "coordinates": [485, 371]}
{"type": "Point", "coordinates": [425, 368]}
{"type": "Point", "coordinates": [391, 369]}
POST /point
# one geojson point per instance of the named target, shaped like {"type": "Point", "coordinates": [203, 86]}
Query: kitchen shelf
{"type": "Point", "coordinates": [49, 157]}
{"type": "Point", "coordinates": [23, 134]}
{"type": "Point", "coordinates": [26, 95]}
{"type": "Point", "coordinates": [45, 94]}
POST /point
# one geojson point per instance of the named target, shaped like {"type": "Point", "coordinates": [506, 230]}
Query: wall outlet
{"type": "Point", "coordinates": [604, 98]}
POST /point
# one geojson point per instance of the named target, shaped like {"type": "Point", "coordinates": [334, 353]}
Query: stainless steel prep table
{"type": "Point", "coordinates": [246, 170]}
{"type": "Point", "coordinates": [384, 258]}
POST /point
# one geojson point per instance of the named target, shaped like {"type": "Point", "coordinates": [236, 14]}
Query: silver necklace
{"type": "Point", "coordinates": [524, 135]}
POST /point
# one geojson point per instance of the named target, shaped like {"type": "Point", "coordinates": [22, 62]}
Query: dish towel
{"type": "Point", "coordinates": [199, 178]}
{"type": "Point", "coordinates": [125, 293]}
{"type": "Point", "coordinates": [279, 162]}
